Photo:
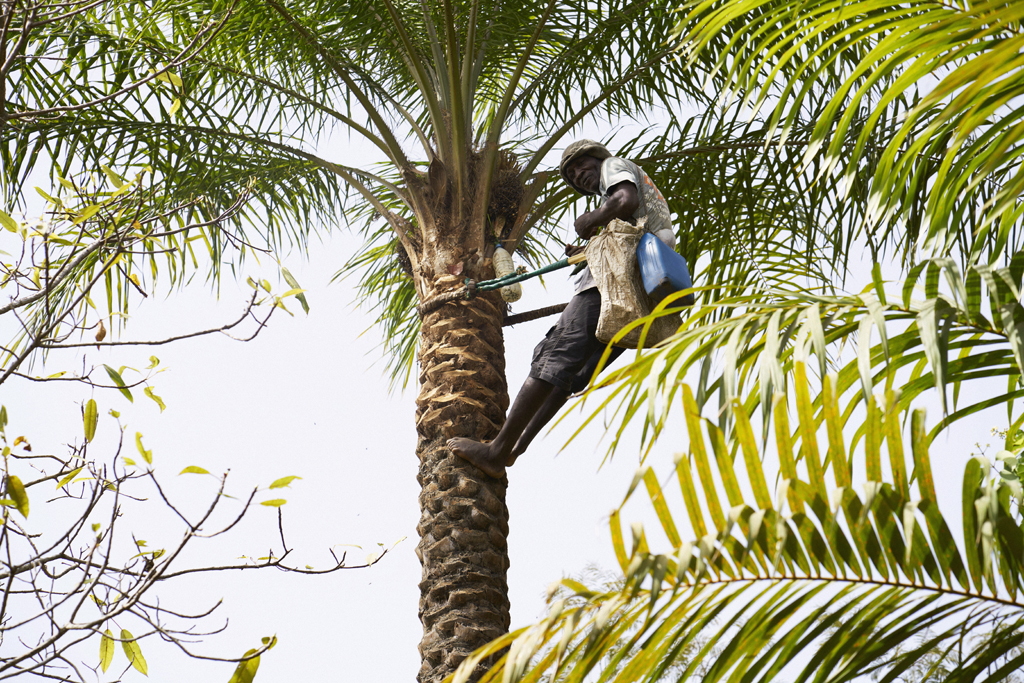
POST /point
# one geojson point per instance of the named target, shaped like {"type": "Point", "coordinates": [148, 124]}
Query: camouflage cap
{"type": "Point", "coordinates": [575, 151]}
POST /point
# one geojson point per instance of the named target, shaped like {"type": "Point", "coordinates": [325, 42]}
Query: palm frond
{"type": "Point", "coordinates": [937, 84]}
{"type": "Point", "coordinates": [809, 581]}
{"type": "Point", "coordinates": [757, 343]}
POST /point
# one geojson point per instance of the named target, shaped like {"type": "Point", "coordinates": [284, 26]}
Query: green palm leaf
{"type": "Point", "coordinates": [760, 341]}
{"type": "Point", "coordinates": [809, 581]}
{"type": "Point", "coordinates": [934, 83]}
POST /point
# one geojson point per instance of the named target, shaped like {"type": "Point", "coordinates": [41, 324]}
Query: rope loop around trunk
{"type": "Point", "coordinates": [431, 305]}
{"type": "Point", "coordinates": [434, 303]}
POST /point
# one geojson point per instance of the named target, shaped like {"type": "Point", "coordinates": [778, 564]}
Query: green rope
{"type": "Point", "coordinates": [470, 288]}
{"type": "Point", "coordinates": [498, 283]}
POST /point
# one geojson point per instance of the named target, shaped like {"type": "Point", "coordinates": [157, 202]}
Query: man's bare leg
{"type": "Point", "coordinates": [491, 457]}
{"type": "Point", "coordinates": [547, 411]}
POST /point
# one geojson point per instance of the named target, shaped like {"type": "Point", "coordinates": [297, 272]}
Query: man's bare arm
{"type": "Point", "coordinates": [622, 201]}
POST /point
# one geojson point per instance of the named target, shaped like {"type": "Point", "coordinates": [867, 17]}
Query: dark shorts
{"type": "Point", "coordinates": [570, 352]}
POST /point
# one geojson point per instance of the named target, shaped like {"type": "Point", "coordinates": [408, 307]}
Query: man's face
{"type": "Point", "coordinates": [585, 172]}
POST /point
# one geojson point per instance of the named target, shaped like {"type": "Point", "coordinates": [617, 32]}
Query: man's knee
{"type": "Point", "coordinates": [583, 377]}
{"type": "Point", "coordinates": [566, 349]}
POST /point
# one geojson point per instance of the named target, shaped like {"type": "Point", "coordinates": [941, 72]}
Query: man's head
{"type": "Point", "coordinates": [581, 165]}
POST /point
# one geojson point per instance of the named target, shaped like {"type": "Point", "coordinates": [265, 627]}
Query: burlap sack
{"type": "Point", "coordinates": [612, 259]}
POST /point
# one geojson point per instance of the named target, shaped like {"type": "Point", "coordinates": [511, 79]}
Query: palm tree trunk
{"type": "Point", "coordinates": [464, 521]}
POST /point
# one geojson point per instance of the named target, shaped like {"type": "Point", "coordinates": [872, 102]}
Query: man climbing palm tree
{"type": "Point", "coordinates": [566, 358]}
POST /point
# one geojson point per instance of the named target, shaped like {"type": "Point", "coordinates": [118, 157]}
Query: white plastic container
{"type": "Point", "coordinates": [503, 266]}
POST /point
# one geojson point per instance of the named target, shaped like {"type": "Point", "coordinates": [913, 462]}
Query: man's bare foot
{"type": "Point", "coordinates": [479, 454]}
{"type": "Point", "coordinates": [513, 456]}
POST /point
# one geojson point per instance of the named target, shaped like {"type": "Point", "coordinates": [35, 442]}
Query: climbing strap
{"type": "Point", "coordinates": [533, 315]}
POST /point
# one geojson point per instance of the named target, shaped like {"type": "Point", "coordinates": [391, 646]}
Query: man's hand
{"type": "Point", "coordinates": [573, 249]}
{"type": "Point", "coordinates": [586, 226]}
{"type": "Point", "coordinates": [622, 200]}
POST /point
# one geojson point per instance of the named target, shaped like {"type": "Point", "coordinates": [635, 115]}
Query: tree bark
{"type": "Point", "coordinates": [464, 521]}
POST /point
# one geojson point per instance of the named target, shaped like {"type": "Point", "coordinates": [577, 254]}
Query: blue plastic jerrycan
{"type": "Point", "coordinates": [663, 270]}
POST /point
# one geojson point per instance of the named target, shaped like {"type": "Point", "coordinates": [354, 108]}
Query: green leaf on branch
{"type": "Point", "coordinates": [48, 197]}
{"type": "Point", "coordinates": [169, 77]}
{"type": "Point", "coordinates": [16, 492]}
{"type": "Point", "coordinates": [274, 503]}
{"type": "Point", "coordinates": [106, 649]}
{"type": "Point", "coordinates": [134, 652]}
{"type": "Point", "coordinates": [279, 303]}
{"type": "Point", "coordinates": [296, 288]}
{"type": "Point", "coordinates": [283, 482]}
{"type": "Point", "coordinates": [146, 455]}
{"type": "Point", "coordinates": [153, 362]}
{"type": "Point", "coordinates": [193, 469]}
{"type": "Point", "coordinates": [148, 391]}
{"type": "Point", "coordinates": [8, 222]}
{"type": "Point", "coordinates": [90, 419]}
{"type": "Point", "coordinates": [115, 180]}
{"type": "Point", "coordinates": [66, 480]}
{"type": "Point", "coordinates": [115, 377]}
{"type": "Point", "coordinates": [86, 213]}
{"type": "Point", "coordinates": [245, 672]}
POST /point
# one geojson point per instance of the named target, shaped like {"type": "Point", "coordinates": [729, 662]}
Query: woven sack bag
{"type": "Point", "coordinates": [611, 256]}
